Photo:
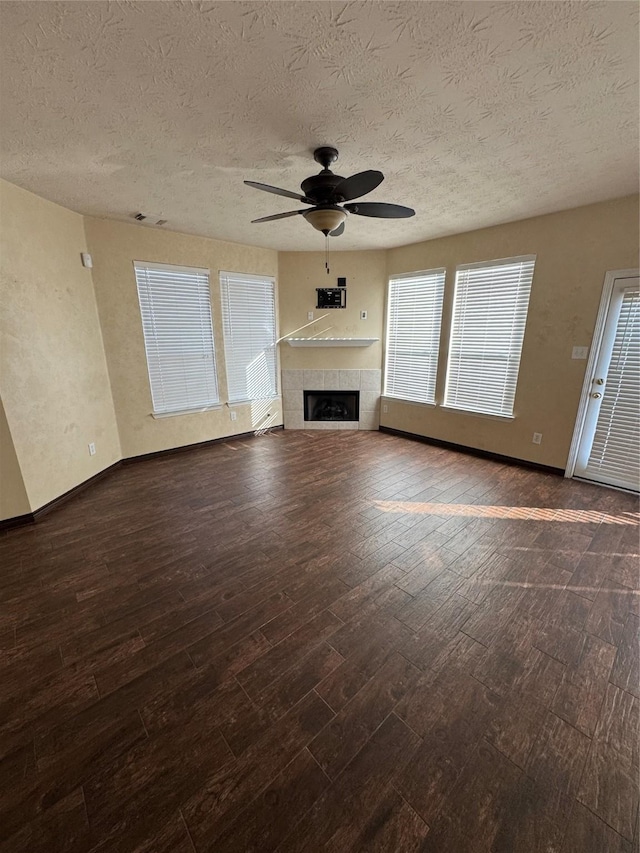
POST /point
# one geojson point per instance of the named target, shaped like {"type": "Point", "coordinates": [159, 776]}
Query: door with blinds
{"type": "Point", "coordinates": [609, 447]}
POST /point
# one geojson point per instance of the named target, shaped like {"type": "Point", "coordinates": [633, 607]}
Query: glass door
{"type": "Point", "coordinates": [609, 447]}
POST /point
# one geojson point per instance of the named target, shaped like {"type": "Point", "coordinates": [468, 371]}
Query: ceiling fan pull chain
{"type": "Point", "coordinates": [326, 252]}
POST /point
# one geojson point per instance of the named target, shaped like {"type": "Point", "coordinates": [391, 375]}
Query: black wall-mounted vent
{"type": "Point", "coordinates": [149, 219]}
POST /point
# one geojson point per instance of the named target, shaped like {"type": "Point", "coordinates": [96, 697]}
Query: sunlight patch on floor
{"type": "Point", "coordinates": [618, 590]}
{"type": "Point", "coordinates": [522, 513]}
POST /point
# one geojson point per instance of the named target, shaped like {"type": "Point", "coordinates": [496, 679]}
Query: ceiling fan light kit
{"type": "Point", "coordinates": [325, 219]}
{"type": "Point", "coordinates": [326, 192]}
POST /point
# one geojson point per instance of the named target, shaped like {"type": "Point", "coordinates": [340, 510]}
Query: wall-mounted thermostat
{"type": "Point", "coordinates": [331, 297]}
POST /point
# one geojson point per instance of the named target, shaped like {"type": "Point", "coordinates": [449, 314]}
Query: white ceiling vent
{"type": "Point", "coordinates": [149, 218]}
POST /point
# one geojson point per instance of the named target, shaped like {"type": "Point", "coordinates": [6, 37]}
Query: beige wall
{"type": "Point", "coordinates": [300, 274]}
{"type": "Point", "coordinates": [53, 378]}
{"type": "Point", "coordinates": [13, 495]}
{"type": "Point", "coordinates": [574, 250]}
{"type": "Point", "coordinates": [114, 246]}
{"type": "Point", "coordinates": [57, 393]}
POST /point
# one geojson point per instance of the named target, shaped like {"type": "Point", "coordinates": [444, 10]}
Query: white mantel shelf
{"type": "Point", "coordinates": [331, 342]}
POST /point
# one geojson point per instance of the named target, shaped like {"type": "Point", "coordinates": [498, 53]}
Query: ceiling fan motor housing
{"type": "Point", "coordinates": [319, 188]}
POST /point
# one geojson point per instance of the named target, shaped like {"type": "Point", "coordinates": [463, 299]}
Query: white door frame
{"type": "Point", "coordinates": [594, 352]}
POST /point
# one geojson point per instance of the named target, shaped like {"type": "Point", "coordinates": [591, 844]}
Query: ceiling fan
{"type": "Point", "coordinates": [327, 194]}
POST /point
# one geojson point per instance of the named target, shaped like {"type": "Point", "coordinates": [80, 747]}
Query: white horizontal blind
{"type": "Point", "coordinates": [249, 319]}
{"type": "Point", "coordinates": [176, 320]}
{"type": "Point", "coordinates": [487, 330]}
{"type": "Point", "coordinates": [414, 315]}
{"type": "Point", "coordinates": [615, 452]}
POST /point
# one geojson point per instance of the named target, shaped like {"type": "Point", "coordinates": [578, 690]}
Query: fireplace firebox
{"type": "Point", "coordinates": [331, 405]}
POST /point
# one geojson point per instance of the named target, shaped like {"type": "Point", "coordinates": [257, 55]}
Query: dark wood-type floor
{"type": "Point", "coordinates": [322, 641]}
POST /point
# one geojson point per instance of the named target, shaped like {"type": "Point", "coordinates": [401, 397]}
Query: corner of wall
{"type": "Point", "coordinates": [55, 386]}
{"type": "Point", "coordinates": [14, 500]}
{"type": "Point", "coordinates": [85, 220]}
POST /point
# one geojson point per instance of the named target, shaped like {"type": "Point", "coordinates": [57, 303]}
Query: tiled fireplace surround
{"type": "Point", "coordinates": [294, 382]}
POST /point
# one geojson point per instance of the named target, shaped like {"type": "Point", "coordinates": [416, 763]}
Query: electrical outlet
{"type": "Point", "coordinates": [233, 415]}
{"type": "Point", "coordinates": [363, 315]}
{"type": "Point", "coordinates": [580, 352]}
{"type": "Point", "coordinates": [309, 315]}
{"type": "Point", "coordinates": [385, 408]}
{"type": "Point", "coordinates": [537, 438]}
{"type": "Point", "coordinates": [92, 449]}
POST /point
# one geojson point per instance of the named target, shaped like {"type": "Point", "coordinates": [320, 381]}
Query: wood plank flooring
{"type": "Point", "coordinates": [322, 641]}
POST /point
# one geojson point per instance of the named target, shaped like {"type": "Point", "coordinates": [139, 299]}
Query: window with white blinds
{"type": "Point", "coordinates": [414, 316]}
{"type": "Point", "coordinates": [487, 329]}
{"type": "Point", "coordinates": [249, 320]}
{"type": "Point", "coordinates": [175, 306]}
{"type": "Point", "coordinates": [615, 452]}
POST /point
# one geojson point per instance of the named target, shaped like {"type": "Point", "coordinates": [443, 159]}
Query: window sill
{"type": "Point", "coordinates": [331, 342]}
{"type": "Point", "coordinates": [408, 402]}
{"type": "Point", "coordinates": [233, 403]}
{"type": "Point", "coordinates": [178, 413]}
{"type": "Point", "coordinates": [478, 414]}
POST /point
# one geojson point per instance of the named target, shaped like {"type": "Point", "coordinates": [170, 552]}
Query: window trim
{"type": "Point", "coordinates": [497, 262]}
{"type": "Point", "coordinates": [179, 412]}
{"type": "Point", "coordinates": [477, 414]}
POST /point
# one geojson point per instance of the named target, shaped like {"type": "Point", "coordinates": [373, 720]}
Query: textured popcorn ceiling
{"type": "Point", "coordinates": [477, 113]}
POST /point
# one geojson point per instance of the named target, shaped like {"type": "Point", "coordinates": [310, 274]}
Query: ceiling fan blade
{"type": "Point", "coordinates": [277, 191]}
{"type": "Point", "coordinates": [358, 185]}
{"type": "Point", "coordinates": [339, 230]}
{"type": "Point", "coordinates": [381, 210]}
{"type": "Point", "coordinates": [278, 216]}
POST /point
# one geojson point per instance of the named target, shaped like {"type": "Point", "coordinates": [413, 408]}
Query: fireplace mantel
{"type": "Point", "coordinates": [331, 342]}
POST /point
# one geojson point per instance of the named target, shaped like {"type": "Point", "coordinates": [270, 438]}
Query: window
{"type": "Point", "coordinates": [414, 314]}
{"type": "Point", "coordinates": [249, 319]}
{"type": "Point", "coordinates": [176, 320]}
{"type": "Point", "coordinates": [487, 330]}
